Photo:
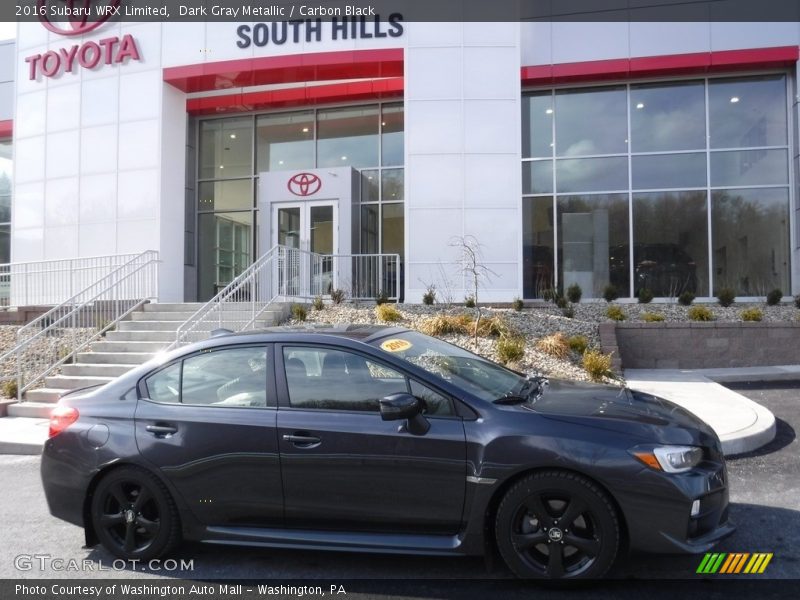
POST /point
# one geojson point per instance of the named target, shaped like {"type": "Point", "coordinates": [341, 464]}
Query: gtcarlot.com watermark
{"type": "Point", "coordinates": [48, 562]}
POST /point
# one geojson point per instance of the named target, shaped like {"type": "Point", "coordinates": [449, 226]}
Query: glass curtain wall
{"type": "Point", "coordinates": [5, 214]}
{"type": "Point", "coordinates": [233, 151]}
{"type": "Point", "coordinates": [669, 186]}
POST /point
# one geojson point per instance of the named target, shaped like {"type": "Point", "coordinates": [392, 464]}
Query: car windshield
{"type": "Point", "coordinates": [468, 371]}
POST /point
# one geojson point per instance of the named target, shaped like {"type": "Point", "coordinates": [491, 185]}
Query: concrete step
{"type": "Point", "coordinates": [73, 382]}
{"type": "Point", "coordinates": [140, 336]}
{"type": "Point", "coordinates": [100, 370]}
{"type": "Point", "coordinates": [137, 347]}
{"type": "Point", "coordinates": [172, 307]}
{"type": "Point", "coordinates": [43, 395]}
{"type": "Point", "coordinates": [149, 325]}
{"type": "Point", "coordinates": [30, 409]}
{"type": "Point", "coordinates": [114, 358]}
{"type": "Point", "coordinates": [161, 316]}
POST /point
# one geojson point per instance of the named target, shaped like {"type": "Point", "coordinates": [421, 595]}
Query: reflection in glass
{"type": "Point", "coordinates": [660, 171]}
{"type": "Point", "coordinates": [591, 122]}
{"type": "Point", "coordinates": [392, 185]}
{"type": "Point", "coordinates": [321, 223]}
{"type": "Point", "coordinates": [225, 247]}
{"type": "Point", "coordinates": [670, 237]}
{"type": "Point", "coordinates": [593, 243]}
{"type": "Point", "coordinates": [226, 148]}
{"type": "Point", "coordinates": [289, 227]}
{"type": "Point", "coordinates": [592, 174]}
{"type": "Point", "coordinates": [5, 245]}
{"type": "Point", "coordinates": [393, 230]}
{"type": "Point", "coordinates": [749, 167]}
{"type": "Point", "coordinates": [537, 249]}
{"type": "Point", "coordinates": [747, 112]}
{"type": "Point", "coordinates": [225, 195]}
{"type": "Point", "coordinates": [369, 186]}
{"type": "Point", "coordinates": [668, 117]}
{"type": "Point", "coordinates": [347, 137]}
{"type": "Point", "coordinates": [369, 228]}
{"type": "Point", "coordinates": [750, 235]}
{"type": "Point", "coordinates": [392, 150]}
{"type": "Point", "coordinates": [537, 177]}
{"type": "Point", "coordinates": [537, 125]}
{"type": "Point", "coordinates": [285, 141]}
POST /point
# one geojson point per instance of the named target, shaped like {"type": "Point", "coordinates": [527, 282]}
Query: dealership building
{"type": "Point", "coordinates": [633, 154]}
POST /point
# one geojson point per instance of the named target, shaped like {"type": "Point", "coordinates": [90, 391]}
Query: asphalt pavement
{"type": "Point", "coordinates": [765, 505]}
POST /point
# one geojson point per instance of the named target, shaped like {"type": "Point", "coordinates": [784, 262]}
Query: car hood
{"type": "Point", "coordinates": [623, 410]}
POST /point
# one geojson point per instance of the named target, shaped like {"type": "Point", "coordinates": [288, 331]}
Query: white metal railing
{"type": "Point", "coordinates": [287, 274]}
{"type": "Point", "coordinates": [50, 282]}
{"type": "Point", "coordinates": [56, 337]}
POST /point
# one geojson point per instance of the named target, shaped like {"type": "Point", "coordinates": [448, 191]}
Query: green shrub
{"type": "Point", "coordinates": [700, 313]}
{"type": "Point", "coordinates": [510, 349]}
{"type": "Point", "coordinates": [556, 345]}
{"type": "Point", "coordinates": [686, 298]}
{"type": "Point", "coordinates": [574, 293]}
{"type": "Point", "coordinates": [774, 297]}
{"type": "Point", "coordinates": [381, 298]}
{"type": "Point", "coordinates": [548, 295]}
{"type": "Point", "coordinates": [726, 297]}
{"type": "Point", "coordinates": [9, 388]}
{"type": "Point", "coordinates": [610, 293]}
{"type": "Point", "coordinates": [578, 343]}
{"type": "Point", "coordinates": [751, 314]}
{"type": "Point", "coordinates": [469, 302]}
{"type": "Point", "coordinates": [797, 301]}
{"type": "Point", "coordinates": [388, 313]}
{"type": "Point", "coordinates": [561, 302]}
{"type": "Point", "coordinates": [597, 364]}
{"type": "Point", "coordinates": [492, 327]}
{"type": "Point", "coordinates": [299, 312]}
{"type": "Point", "coordinates": [429, 297]}
{"type": "Point", "coordinates": [652, 317]}
{"type": "Point", "coordinates": [318, 304]}
{"type": "Point", "coordinates": [645, 296]}
{"type": "Point", "coordinates": [615, 313]}
{"type": "Point", "coordinates": [517, 304]}
{"type": "Point", "coordinates": [337, 296]}
{"type": "Point", "coordinates": [568, 311]}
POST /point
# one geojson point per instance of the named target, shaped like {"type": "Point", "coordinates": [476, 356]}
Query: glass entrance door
{"type": "Point", "coordinates": [310, 226]}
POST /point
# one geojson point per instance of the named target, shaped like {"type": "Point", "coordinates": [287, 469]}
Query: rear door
{"type": "Point", "coordinates": [207, 422]}
{"type": "Point", "coordinates": [345, 468]}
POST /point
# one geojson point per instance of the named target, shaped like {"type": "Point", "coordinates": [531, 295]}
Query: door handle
{"type": "Point", "coordinates": [162, 430]}
{"type": "Point", "coordinates": [302, 441]}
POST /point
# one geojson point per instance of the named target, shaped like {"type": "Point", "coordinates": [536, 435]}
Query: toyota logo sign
{"type": "Point", "coordinates": [304, 184]}
{"type": "Point", "coordinates": [78, 14]}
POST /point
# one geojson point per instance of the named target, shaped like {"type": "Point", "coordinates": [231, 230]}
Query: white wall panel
{"type": "Point", "coordinates": [140, 96]}
{"type": "Point", "coordinates": [138, 194]}
{"type": "Point", "coordinates": [61, 242]}
{"type": "Point", "coordinates": [576, 42]}
{"type": "Point", "coordinates": [487, 124]}
{"type": "Point", "coordinates": [62, 157]}
{"type": "Point", "coordinates": [28, 206]}
{"type": "Point", "coordinates": [28, 245]}
{"type": "Point", "coordinates": [31, 115]}
{"type": "Point", "coordinates": [98, 194]}
{"type": "Point", "coordinates": [435, 182]}
{"type": "Point", "coordinates": [98, 149]}
{"type": "Point", "coordinates": [97, 239]}
{"type": "Point", "coordinates": [656, 39]}
{"type": "Point", "coordinates": [64, 107]}
{"type": "Point", "coordinates": [500, 189]}
{"type": "Point", "coordinates": [438, 127]}
{"type": "Point", "coordinates": [444, 82]}
{"type": "Point", "coordinates": [61, 202]}
{"type": "Point", "coordinates": [99, 101]}
{"type": "Point", "coordinates": [139, 145]}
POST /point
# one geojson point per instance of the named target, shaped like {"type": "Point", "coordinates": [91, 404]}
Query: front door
{"type": "Point", "coordinates": [312, 227]}
{"type": "Point", "coordinates": [343, 467]}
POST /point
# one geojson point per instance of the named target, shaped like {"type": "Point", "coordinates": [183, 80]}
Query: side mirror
{"type": "Point", "coordinates": [405, 406]}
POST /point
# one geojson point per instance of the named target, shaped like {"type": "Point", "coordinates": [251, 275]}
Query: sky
{"type": "Point", "coordinates": [8, 31]}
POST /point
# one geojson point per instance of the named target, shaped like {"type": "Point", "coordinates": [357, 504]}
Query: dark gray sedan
{"type": "Point", "coordinates": [377, 439]}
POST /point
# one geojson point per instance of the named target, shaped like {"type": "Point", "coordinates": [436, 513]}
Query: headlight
{"type": "Point", "coordinates": [670, 459]}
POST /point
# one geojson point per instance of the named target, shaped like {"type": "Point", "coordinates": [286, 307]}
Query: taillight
{"type": "Point", "coordinates": [62, 417]}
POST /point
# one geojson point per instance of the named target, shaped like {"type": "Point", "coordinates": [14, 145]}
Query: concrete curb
{"type": "Point", "coordinates": [22, 435]}
{"type": "Point", "coordinates": [742, 425]}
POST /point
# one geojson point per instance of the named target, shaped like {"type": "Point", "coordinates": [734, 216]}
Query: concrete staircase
{"type": "Point", "coordinates": [134, 342]}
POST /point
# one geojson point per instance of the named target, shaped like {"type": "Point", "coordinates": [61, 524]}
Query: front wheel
{"type": "Point", "coordinates": [557, 525]}
{"type": "Point", "coordinates": [134, 516]}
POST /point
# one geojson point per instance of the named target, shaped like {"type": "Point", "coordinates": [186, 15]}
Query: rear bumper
{"type": "Point", "coordinates": [64, 482]}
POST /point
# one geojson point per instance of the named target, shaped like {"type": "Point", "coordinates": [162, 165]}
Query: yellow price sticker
{"type": "Point", "coordinates": [395, 345]}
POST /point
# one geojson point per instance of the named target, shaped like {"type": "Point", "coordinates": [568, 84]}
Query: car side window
{"type": "Point", "coordinates": [436, 405]}
{"type": "Point", "coordinates": [325, 378]}
{"type": "Point", "coordinates": [234, 377]}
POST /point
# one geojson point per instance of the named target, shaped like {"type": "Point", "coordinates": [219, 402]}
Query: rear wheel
{"type": "Point", "coordinates": [557, 525]}
{"type": "Point", "coordinates": [134, 516]}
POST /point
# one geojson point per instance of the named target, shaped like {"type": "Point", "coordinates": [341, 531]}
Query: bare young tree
{"type": "Point", "coordinates": [473, 268]}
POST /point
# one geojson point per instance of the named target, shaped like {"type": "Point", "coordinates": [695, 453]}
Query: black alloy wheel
{"type": "Point", "coordinates": [557, 525]}
{"type": "Point", "coordinates": [133, 515]}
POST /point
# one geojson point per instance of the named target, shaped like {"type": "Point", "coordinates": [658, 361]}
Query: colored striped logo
{"type": "Point", "coordinates": [734, 562]}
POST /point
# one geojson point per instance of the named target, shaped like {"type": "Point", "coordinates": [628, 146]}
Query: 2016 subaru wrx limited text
{"type": "Point", "coordinates": [367, 438]}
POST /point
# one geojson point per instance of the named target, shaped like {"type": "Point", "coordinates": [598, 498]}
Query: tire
{"type": "Point", "coordinates": [536, 542]}
{"type": "Point", "coordinates": [134, 515]}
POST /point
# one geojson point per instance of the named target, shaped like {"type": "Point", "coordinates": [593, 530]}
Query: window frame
{"type": "Point", "coordinates": [143, 391]}
{"type": "Point", "coordinates": [282, 383]}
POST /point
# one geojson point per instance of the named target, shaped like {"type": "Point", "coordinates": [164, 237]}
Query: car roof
{"type": "Point", "coordinates": [352, 331]}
